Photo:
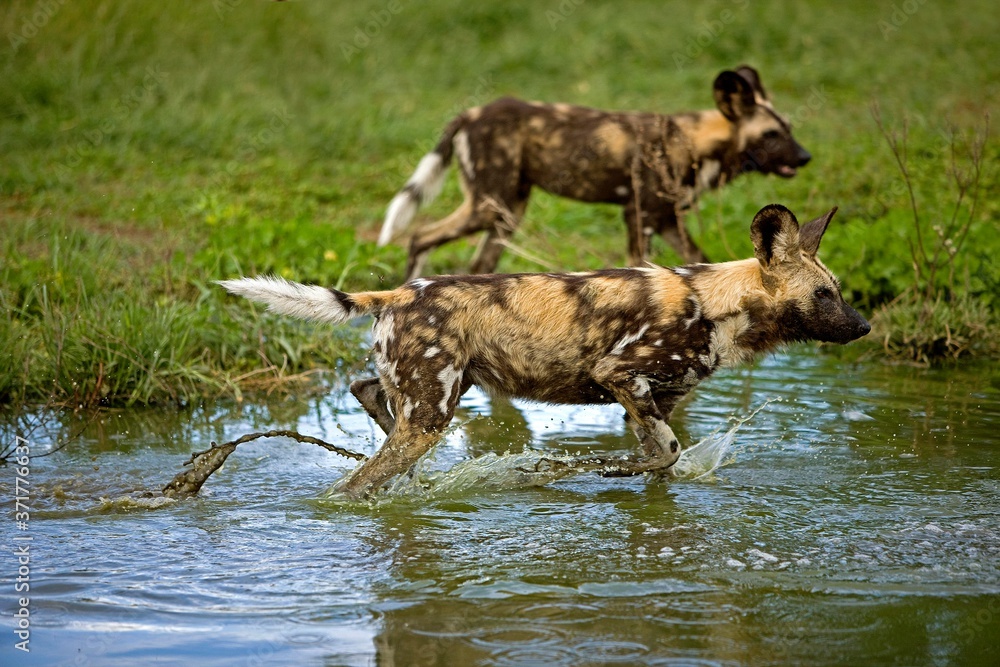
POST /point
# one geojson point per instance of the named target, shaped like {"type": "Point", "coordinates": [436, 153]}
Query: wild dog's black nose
{"type": "Point", "coordinates": [804, 157]}
{"type": "Point", "coordinates": [853, 325]}
{"type": "Point", "coordinates": [861, 326]}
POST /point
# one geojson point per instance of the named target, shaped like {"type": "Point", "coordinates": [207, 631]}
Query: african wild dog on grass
{"type": "Point", "coordinates": [641, 337]}
{"type": "Point", "coordinates": [654, 165]}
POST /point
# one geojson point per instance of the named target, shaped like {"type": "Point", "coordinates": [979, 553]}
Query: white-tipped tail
{"type": "Point", "coordinates": [422, 188]}
{"type": "Point", "coordinates": [398, 217]}
{"type": "Point", "coordinates": [309, 302]}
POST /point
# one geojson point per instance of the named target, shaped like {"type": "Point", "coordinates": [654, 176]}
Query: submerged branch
{"type": "Point", "coordinates": [187, 483]}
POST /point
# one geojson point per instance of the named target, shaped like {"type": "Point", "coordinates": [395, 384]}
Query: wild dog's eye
{"type": "Point", "coordinates": [823, 293]}
{"type": "Point", "coordinates": [772, 134]}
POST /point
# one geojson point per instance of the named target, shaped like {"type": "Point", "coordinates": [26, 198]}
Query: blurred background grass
{"type": "Point", "coordinates": [150, 149]}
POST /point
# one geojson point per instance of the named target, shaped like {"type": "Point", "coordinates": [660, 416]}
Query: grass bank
{"type": "Point", "coordinates": [149, 150]}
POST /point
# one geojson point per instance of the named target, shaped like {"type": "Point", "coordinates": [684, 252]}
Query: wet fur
{"type": "Point", "coordinates": [653, 165]}
{"type": "Point", "coordinates": [641, 337]}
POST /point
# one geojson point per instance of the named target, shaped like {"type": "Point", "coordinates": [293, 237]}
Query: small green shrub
{"type": "Point", "coordinates": [945, 314]}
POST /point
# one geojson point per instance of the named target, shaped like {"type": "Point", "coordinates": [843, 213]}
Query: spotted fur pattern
{"type": "Point", "coordinates": [641, 337]}
{"type": "Point", "coordinates": [653, 165]}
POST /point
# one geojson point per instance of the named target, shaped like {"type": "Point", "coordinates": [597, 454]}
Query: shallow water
{"type": "Point", "coordinates": [855, 519]}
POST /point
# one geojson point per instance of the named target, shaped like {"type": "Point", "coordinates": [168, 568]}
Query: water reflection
{"type": "Point", "coordinates": [713, 628]}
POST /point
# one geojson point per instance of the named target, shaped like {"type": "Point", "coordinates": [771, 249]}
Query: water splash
{"type": "Point", "coordinates": [709, 454]}
{"type": "Point", "coordinates": [704, 457]}
{"type": "Point", "coordinates": [490, 471]}
{"type": "Point", "coordinates": [531, 468]}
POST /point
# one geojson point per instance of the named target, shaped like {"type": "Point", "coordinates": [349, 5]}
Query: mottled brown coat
{"type": "Point", "coordinates": [641, 337]}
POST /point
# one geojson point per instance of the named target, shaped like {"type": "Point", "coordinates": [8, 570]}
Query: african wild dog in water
{"type": "Point", "coordinates": [642, 337]}
{"type": "Point", "coordinates": [654, 165]}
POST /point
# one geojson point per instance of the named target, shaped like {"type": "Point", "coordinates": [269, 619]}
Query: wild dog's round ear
{"type": "Point", "coordinates": [775, 235]}
{"type": "Point", "coordinates": [812, 232]}
{"type": "Point", "coordinates": [753, 78]}
{"type": "Point", "coordinates": [733, 95]}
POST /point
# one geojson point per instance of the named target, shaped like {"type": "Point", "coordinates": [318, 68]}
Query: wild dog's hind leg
{"type": "Point", "coordinates": [466, 221]}
{"type": "Point", "coordinates": [401, 449]}
{"type": "Point", "coordinates": [373, 399]}
{"type": "Point", "coordinates": [494, 202]}
{"type": "Point", "coordinates": [462, 222]}
{"type": "Point", "coordinates": [421, 417]}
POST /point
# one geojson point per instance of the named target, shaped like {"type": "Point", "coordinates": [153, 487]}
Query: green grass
{"type": "Point", "coordinates": [149, 149]}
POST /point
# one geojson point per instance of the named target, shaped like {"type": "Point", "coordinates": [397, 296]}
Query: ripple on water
{"type": "Point", "coordinates": [638, 589]}
{"type": "Point", "coordinates": [559, 612]}
{"type": "Point", "coordinates": [526, 645]}
{"type": "Point", "coordinates": [605, 651]}
{"type": "Point", "coordinates": [521, 656]}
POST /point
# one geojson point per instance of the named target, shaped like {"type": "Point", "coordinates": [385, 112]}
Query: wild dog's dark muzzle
{"type": "Point", "coordinates": [833, 321]}
{"type": "Point", "coordinates": [781, 157]}
{"type": "Point", "coordinates": [800, 158]}
{"type": "Point", "coordinates": [851, 326]}
{"type": "Point", "coordinates": [804, 156]}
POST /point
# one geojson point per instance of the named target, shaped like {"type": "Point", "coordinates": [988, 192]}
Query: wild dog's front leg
{"type": "Point", "coordinates": [665, 404]}
{"type": "Point", "coordinates": [423, 410]}
{"type": "Point", "coordinates": [660, 448]}
{"type": "Point", "coordinates": [657, 215]}
{"type": "Point", "coordinates": [638, 233]}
